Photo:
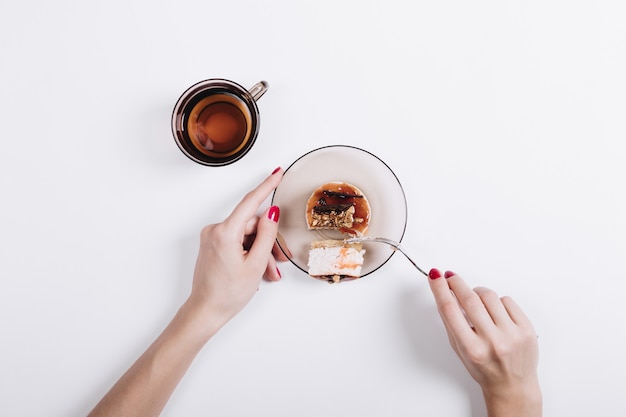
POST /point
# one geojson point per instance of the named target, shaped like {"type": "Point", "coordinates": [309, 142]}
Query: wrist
{"type": "Point", "coordinates": [518, 401]}
{"type": "Point", "coordinates": [200, 321]}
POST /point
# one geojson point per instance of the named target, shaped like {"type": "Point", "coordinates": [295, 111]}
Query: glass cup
{"type": "Point", "coordinates": [216, 121]}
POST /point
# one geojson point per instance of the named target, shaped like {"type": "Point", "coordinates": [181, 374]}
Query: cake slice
{"type": "Point", "coordinates": [335, 260]}
{"type": "Point", "coordinates": [338, 206]}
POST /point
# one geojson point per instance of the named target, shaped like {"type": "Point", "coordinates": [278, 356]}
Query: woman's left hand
{"type": "Point", "coordinates": [236, 254]}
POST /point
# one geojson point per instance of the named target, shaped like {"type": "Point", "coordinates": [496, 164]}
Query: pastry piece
{"type": "Point", "coordinates": [338, 206]}
{"type": "Point", "coordinates": [335, 260]}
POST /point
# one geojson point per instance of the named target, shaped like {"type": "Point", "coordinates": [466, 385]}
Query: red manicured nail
{"type": "Point", "coordinates": [279, 274]}
{"type": "Point", "coordinates": [434, 273]}
{"type": "Point", "coordinates": [276, 170]}
{"type": "Point", "coordinates": [274, 214]}
{"type": "Point", "coordinates": [449, 274]}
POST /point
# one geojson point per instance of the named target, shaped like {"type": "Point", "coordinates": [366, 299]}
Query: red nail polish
{"type": "Point", "coordinates": [276, 170]}
{"type": "Point", "coordinates": [434, 273]}
{"type": "Point", "coordinates": [274, 214]}
{"type": "Point", "coordinates": [279, 274]}
{"type": "Point", "coordinates": [449, 274]}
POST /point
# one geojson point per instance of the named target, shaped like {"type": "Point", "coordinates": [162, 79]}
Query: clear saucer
{"type": "Point", "coordinates": [339, 163]}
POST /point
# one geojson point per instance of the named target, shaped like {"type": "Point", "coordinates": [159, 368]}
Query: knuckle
{"type": "Point", "coordinates": [502, 349]}
{"type": "Point", "coordinates": [448, 307]}
{"type": "Point", "coordinates": [473, 304]}
{"type": "Point", "coordinates": [266, 235]}
{"type": "Point", "coordinates": [214, 233]}
{"type": "Point", "coordinates": [478, 354]}
{"type": "Point", "coordinates": [527, 334]}
{"type": "Point", "coordinates": [206, 232]}
{"type": "Point", "coordinates": [252, 195]}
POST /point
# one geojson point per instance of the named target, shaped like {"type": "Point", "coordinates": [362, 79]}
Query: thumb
{"type": "Point", "coordinates": [267, 229]}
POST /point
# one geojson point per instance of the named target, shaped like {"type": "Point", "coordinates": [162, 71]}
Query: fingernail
{"type": "Point", "coordinates": [276, 170]}
{"type": "Point", "coordinates": [449, 274]}
{"type": "Point", "coordinates": [279, 274]}
{"type": "Point", "coordinates": [434, 273]}
{"type": "Point", "coordinates": [274, 214]}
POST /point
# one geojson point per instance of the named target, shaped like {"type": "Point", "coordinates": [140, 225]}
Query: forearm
{"type": "Point", "coordinates": [146, 387]}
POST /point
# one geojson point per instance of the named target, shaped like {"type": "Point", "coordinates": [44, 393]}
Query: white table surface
{"type": "Point", "coordinates": [504, 121]}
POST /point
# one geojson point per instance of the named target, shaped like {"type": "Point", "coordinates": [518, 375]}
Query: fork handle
{"type": "Point", "coordinates": [410, 260]}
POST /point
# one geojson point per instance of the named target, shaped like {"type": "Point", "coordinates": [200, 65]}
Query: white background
{"type": "Point", "coordinates": [504, 121]}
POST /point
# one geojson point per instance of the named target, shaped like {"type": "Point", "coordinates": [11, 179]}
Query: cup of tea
{"type": "Point", "coordinates": [216, 121]}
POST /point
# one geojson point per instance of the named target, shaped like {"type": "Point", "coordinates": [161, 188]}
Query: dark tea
{"type": "Point", "coordinates": [215, 122]}
{"type": "Point", "coordinates": [218, 125]}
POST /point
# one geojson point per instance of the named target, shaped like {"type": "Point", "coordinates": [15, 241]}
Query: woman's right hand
{"type": "Point", "coordinates": [495, 341]}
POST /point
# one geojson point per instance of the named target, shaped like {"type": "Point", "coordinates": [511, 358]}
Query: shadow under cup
{"type": "Point", "coordinates": [215, 122]}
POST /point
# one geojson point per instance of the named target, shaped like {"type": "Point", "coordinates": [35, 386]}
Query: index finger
{"type": "Point", "coordinates": [472, 304]}
{"type": "Point", "coordinates": [249, 205]}
{"type": "Point", "coordinates": [449, 309]}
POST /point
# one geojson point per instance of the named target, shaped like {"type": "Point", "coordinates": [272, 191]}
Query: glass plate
{"type": "Point", "coordinates": [340, 163]}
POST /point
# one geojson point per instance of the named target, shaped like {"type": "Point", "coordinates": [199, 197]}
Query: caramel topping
{"type": "Point", "coordinates": [338, 205]}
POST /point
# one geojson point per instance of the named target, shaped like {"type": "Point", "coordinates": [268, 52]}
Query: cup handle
{"type": "Point", "coordinates": [258, 89]}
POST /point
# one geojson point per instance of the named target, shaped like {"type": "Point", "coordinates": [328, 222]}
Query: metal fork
{"type": "Point", "coordinates": [395, 246]}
